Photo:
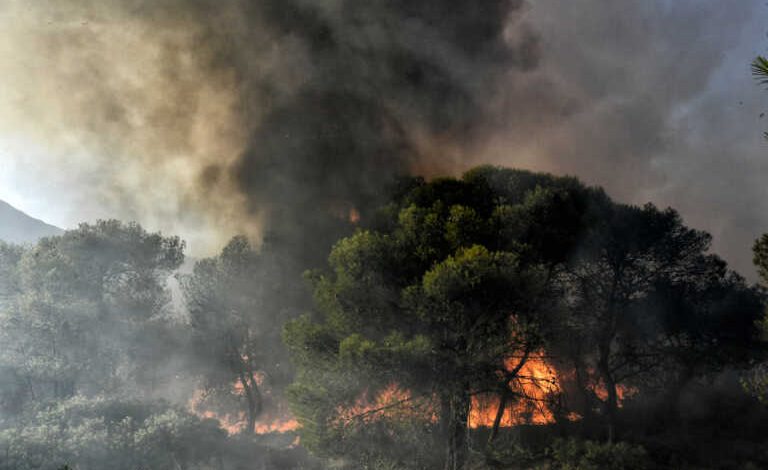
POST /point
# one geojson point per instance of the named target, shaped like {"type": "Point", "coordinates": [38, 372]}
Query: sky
{"type": "Point", "coordinates": [182, 115]}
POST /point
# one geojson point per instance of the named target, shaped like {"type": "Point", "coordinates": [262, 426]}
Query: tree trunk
{"type": "Point", "coordinates": [611, 403]}
{"type": "Point", "coordinates": [457, 448]}
{"type": "Point", "coordinates": [587, 400]}
{"type": "Point", "coordinates": [242, 367]}
{"type": "Point", "coordinates": [253, 400]}
{"type": "Point", "coordinates": [674, 414]}
{"type": "Point", "coordinates": [604, 363]}
{"type": "Point", "coordinates": [506, 395]}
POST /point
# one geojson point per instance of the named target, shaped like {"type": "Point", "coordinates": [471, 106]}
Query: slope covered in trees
{"type": "Point", "coordinates": [503, 319]}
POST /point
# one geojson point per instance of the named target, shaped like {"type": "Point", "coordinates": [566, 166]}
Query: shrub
{"type": "Point", "coordinates": [573, 454]}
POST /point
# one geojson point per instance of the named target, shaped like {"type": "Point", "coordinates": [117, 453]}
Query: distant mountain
{"type": "Point", "coordinates": [18, 227]}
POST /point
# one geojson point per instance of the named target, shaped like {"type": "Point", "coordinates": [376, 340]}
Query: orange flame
{"type": "Point", "coordinates": [622, 392]}
{"type": "Point", "coordinates": [354, 216]}
{"type": "Point", "coordinates": [232, 425]}
{"type": "Point", "coordinates": [279, 425]}
{"type": "Point", "coordinates": [392, 402]}
{"type": "Point", "coordinates": [237, 423]}
{"type": "Point", "coordinates": [535, 383]}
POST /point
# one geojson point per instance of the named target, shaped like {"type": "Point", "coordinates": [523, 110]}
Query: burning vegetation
{"type": "Point", "coordinates": [278, 420]}
{"type": "Point", "coordinates": [367, 317]}
{"type": "Point", "coordinates": [466, 323]}
{"type": "Point", "coordinates": [616, 309]}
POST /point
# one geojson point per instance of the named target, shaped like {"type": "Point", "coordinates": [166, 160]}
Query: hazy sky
{"type": "Point", "coordinates": [110, 109]}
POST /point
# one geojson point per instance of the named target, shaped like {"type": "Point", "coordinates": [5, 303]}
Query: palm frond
{"type": "Point", "coordinates": [760, 69]}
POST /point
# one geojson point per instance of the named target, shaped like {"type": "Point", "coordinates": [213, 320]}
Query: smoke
{"type": "Point", "coordinates": [208, 117]}
{"type": "Point", "coordinates": [190, 114]}
{"type": "Point", "coordinates": [124, 112]}
{"type": "Point", "coordinates": [653, 101]}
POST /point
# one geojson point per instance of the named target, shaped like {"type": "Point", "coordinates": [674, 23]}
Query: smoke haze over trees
{"type": "Point", "coordinates": [465, 323]}
{"type": "Point", "coordinates": [348, 306]}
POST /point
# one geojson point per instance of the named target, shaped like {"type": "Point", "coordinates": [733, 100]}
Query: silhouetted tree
{"type": "Point", "coordinates": [642, 298]}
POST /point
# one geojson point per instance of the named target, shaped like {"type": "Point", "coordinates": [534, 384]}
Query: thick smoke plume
{"type": "Point", "coordinates": [277, 106]}
{"type": "Point", "coordinates": [211, 117]}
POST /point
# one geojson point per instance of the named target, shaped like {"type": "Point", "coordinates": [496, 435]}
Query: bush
{"type": "Point", "coordinates": [94, 434]}
{"type": "Point", "coordinates": [572, 454]}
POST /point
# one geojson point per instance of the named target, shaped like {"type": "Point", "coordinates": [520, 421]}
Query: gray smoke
{"type": "Point", "coordinates": [654, 101]}
{"type": "Point", "coordinates": [211, 117]}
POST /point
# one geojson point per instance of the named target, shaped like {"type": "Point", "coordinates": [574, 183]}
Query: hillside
{"type": "Point", "coordinates": [18, 227]}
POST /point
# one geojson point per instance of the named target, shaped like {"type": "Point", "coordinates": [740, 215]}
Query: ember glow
{"type": "Point", "coordinates": [622, 393]}
{"type": "Point", "coordinates": [533, 387]}
{"type": "Point", "coordinates": [384, 234]}
{"type": "Point", "coordinates": [533, 393]}
{"type": "Point", "coordinates": [532, 390]}
{"type": "Point", "coordinates": [391, 403]}
{"type": "Point", "coordinates": [272, 421]}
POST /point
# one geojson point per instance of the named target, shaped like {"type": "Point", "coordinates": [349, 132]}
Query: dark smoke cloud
{"type": "Point", "coordinates": [239, 115]}
{"type": "Point", "coordinates": [380, 76]}
{"type": "Point", "coordinates": [275, 107]}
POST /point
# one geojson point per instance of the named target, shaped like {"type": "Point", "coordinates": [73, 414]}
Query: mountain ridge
{"type": "Point", "coordinates": [18, 227]}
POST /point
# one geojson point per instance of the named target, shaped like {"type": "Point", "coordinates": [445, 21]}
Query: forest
{"type": "Point", "coordinates": [504, 319]}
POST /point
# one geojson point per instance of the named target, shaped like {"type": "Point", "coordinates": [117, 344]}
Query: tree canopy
{"type": "Point", "coordinates": [456, 282]}
{"type": "Point", "coordinates": [466, 323]}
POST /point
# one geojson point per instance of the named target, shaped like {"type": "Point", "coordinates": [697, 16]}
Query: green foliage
{"type": "Point", "coordinates": [760, 72]}
{"type": "Point", "coordinates": [456, 275]}
{"type": "Point", "coordinates": [756, 380]}
{"type": "Point", "coordinates": [10, 256]}
{"type": "Point", "coordinates": [93, 434]}
{"type": "Point", "coordinates": [760, 69]}
{"type": "Point", "coordinates": [433, 297]}
{"type": "Point", "coordinates": [419, 310]}
{"type": "Point", "coordinates": [760, 259]}
{"type": "Point", "coordinates": [573, 454]}
{"type": "Point", "coordinates": [236, 308]}
{"type": "Point", "coordinates": [508, 452]}
{"type": "Point", "coordinates": [87, 313]}
{"type": "Point", "coordinates": [644, 305]}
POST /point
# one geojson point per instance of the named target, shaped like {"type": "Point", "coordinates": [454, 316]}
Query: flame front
{"type": "Point", "coordinates": [531, 394]}
{"type": "Point", "coordinates": [535, 384]}
{"type": "Point", "coordinates": [391, 403]}
{"type": "Point", "coordinates": [532, 388]}
{"type": "Point", "coordinates": [234, 423]}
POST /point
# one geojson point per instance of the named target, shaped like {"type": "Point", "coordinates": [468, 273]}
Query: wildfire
{"type": "Point", "coordinates": [354, 216]}
{"type": "Point", "coordinates": [622, 392]}
{"type": "Point", "coordinates": [278, 425]}
{"type": "Point", "coordinates": [227, 422]}
{"type": "Point", "coordinates": [237, 422]}
{"type": "Point", "coordinates": [345, 212]}
{"type": "Point", "coordinates": [532, 390]}
{"type": "Point", "coordinates": [392, 402]}
{"type": "Point", "coordinates": [535, 383]}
